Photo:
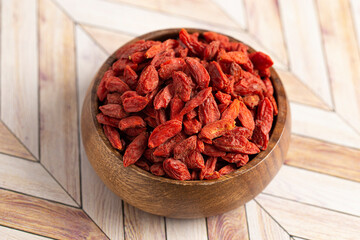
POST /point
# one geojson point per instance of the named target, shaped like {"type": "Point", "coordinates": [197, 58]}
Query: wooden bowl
{"type": "Point", "coordinates": [182, 199]}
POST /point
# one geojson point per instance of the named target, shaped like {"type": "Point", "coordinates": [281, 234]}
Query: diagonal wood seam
{"type": "Point", "coordinates": [14, 141]}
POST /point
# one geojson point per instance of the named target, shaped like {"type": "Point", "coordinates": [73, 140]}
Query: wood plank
{"type": "Point", "coordinates": [298, 91]}
{"type": "Point", "coordinates": [103, 206]}
{"type": "Point", "coordinates": [303, 38]}
{"type": "Point", "coordinates": [58, 108]}
{"type": "Point", "coordinates": [235, 9]}
{"type": "Point", "coordinates": [12, 234]}
{"type": "Point", "coordinates": [200, 10]}
{"type": "Point", "coordinates": [30, 178]}
{"type": "Point", "coordinates": [264, 21]}
{"type": "Point", "coordinates": [355, 10]}
{"type": "Point", "coordinates": [183, 229]}
{"type": "Point", "coordinates": [19, 71]}
{"type": "Point", "coordinates": [108, 40]}
{"type": "Point", "coordinates": [9, 144]}
{"type": "Point", "coordinates": [261, 225]}
{"type": "Point", "coordinates": [142, 225]}
{"type": "Point", "coordinates": [310, 222]}
{"type": "Point", "coordinates": [343, 59]}
{"type": "Point", "coordinates": [324, 157]}
{"type": "Point", "coordinates": [323, 125]}
{"type": "Point", "coordinates": [46, 218]}
{"type": "Point", "coordinates": [331, 192]}
{"type": "Point", "coordinates": [229, 225]}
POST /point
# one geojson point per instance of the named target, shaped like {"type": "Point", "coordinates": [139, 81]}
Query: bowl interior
{"type": "Point", "coordinates": [276, 132]}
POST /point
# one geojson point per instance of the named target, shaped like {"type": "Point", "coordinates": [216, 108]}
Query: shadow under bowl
{"type": "Point", "coordinates": [174, 198]}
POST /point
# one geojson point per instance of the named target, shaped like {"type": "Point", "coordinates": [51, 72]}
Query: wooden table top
{"type": "Point", "coordinates": [50, 50]}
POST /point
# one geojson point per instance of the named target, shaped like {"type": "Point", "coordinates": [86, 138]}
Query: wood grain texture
{"type": "Point", "coordinates": [46, 218]}
{"type": "Point", "coordinates": [235, 9]}
{"type": "Point", "coordinates": [229, 225]}
{"type": "Point", "coordinates": [58, 108]}
{"type": "Point", "coordinates": [310, 222]}
{"type": "Point", "coordinates": [305, 53]}
{"type": "Point", "coordinates": [323, 125]}
{"type": "Point", "coordinates": [299, 92]}
{"type": "Point", "coordinates": [30, 178]}
{"type": "Point", "coordinates": [343, 59]}
{"type": "Point", "coordinates": [181, 229]}
{"type": "Point", "coordinates": [108, 40]}
{"type": "Point", "coordinates": [141, 225]}
{"type": "Point", "coordinates": [264, 21]}
{"type": "Point", "coordinates": [19, 71]}
{"type": "Point", "coordinates": [183, 199]}
{"type": "Point", "coordinates": [12, 234]}
{"type": "Point", "coordinates": [324, 157]}
{"type": "Point", "coordinates": [11, 145]}
{"type": "Point", "coordinates": [197, 10]}
{"type": "Point", "coordinates": [262, 226]}
{"type": "Point", "coordinates": [103, 206]}
{"type": "Point", "coordinates": [300, 185]}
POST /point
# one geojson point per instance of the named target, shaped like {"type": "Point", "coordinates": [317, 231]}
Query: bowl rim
{"type": "Point", "coordinates": [277, 129]}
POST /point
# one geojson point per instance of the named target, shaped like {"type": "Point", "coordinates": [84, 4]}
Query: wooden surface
{"type": "Point", "coordinates": [191, 199]}
{"type": "Point", "coordinates": [48, 188]}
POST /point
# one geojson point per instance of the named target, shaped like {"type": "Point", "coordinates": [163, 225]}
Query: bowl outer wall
{"type": "Point", "coordinates": [182, 199]}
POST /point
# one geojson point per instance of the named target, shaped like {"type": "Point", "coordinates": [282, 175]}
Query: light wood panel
{"type": "Point", "coordinates": [324, 157]}
{"type": "Point", "coordinates": [264, 21]}
{"type": "Point", "coordinates": [198, 10]}
{"type": "Point", "coordinates": [108, 40]}
{"type": "Point", "coordinates": [180, 229]}
{"type": "Point", "coordinates": [12, 234]}
{"type": "Point", "coordinates": [261, 225]}
{"type": "Point", "coordinates": [9, 144]}
{"type": "Point", "coordinates": [58, 108]}
{"type": "Point", "coordinates": [343, 59]}
{"type": "Point", "coordinates": [230, 225]}
{"type": "Point", "coordinates": [332, 192]}
{"type": "Point", "coordinates": [30, 178]}
{"type": "Point", "coordinates": [235, 9]}
{"type": "Point", "coordinates": [103, 206]}
{"type": "Point", "coordinates": [310, 222]}
{"type": "Point", "coordinates": [19, 71]}
{"type": "Point", "coordinates": [45, 218]}
{"type": "Point", "coordinates": [303, 38]}
{"type": "Point", "coordinates": [323, 125]}
{"type": "Point", "coordinates": [355, 10]}
{"type": "Point", "coordinates": [142, 225]}
{"type": "Point", "coordinates": [298, 91]}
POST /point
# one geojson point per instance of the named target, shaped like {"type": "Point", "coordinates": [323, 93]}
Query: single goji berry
{"type": "Point", "coordinates": [163, 97]}
{"type": "Point", "coordinates": [163, 132]}
{"type": "Point", "coordinates": [208, 111]}
{"type": "Point", "coordinates": [251, 100]}
{"type": "Point", "coordinates": [238, 57]}
{"type": "Point", "coordinates": [185, 147]}
{"type": "Point", "coordinates": [191, 126]}
{"type": "Point", "coordinates": [176, 169]}
{"type": "Point", "coordinates": [191, 115]}
{"type": "Point", "coordinates": [212, 151]}
{"type": "Point", "coordinates": [160, 116]}
{"type": "Point", "coordinates": [198, 99]}
{"type": "Point", "coordinates": [191, 43]}
{"type": "Point", "coordinates": [209, 167]}
{"type": "Point", "coordinates": [102, 91]}
{"type": "Point", "coordinates": [106, 120]}
{"type": "Point", "coordinates": [131, 122]}
{"type": "Point", "coordinates": [245, 117]}
{"type": "Point", "coordinates": [113, 110]}
{"type": "Point", "coordinates": [148, 80]}
{"type": "Point", "coordinates": [168, 67]}
{"type": "Point", "coordinates": [213, 36]}
{"type": "Point", "coordinates": [217, 77]}
{"type": "Point", "coordinates": [194, 160]}
{"type": "Point", "coordinates": [211, 50]}
{"type": "Point", "coordinates": [223, 97]}
{"type": "Point", "coordinates": [176, 105]}
{"type": "Point", "coordinates": [137, 57]}
{"type": "Point", "coordinates": [157, 169]}
{"type": "Point", "coordinates": [236, 157]}
{"type": "Point", "coordinates": [141, 163]}
{"type": "Point", "coordinates": [265, 114]}
{"type": "Point", "coordinates": [162, 57]}
{"type": "Point", "coordinates": [232, 111]}
{"type": "Point", "coordinates": [226, 170]}
{"type": "Point", "coordinates": [133, 132]}
{"type": "Point", "coordinates": [115, 84]}
{"type": "Point", "coordinates": [198, 72]}
{"type": "Point", "coordinates": [182, 85]}
{"type": "Point", "coordinates": [113, 136]}
{"type": "Point", "coordinates": [114, 98]}
{"type": "Point", "coordinates": [236, 144]}
{"type": "Point", "coordinates": [135, 104]}
{"type": "Point", "coordinates": [216, 129]}
{"type": "Point", "coordinates": [260, 60]}
{"type": "Point", "coordinates": [130, 77]}
{"type": "Point", "coordinates": [135, 149]}
{"type": "Point", "coordinates": [261, 135]}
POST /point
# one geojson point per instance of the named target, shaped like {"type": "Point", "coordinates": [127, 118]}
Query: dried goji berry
{"type": "Point", "coordinates": [182, 85]}
{"type": "Point", "coordinates": [209, 167]}
{"type": "Point", "coordinates": [114, 137]}
{"type": "Point", "coordinates": [163, 97]}
{"type": "Point", "coordinates": [191, 43]}
{"type": "Point", "coordinates": [135, 104]}
{"type": "Point", "coordinates": [160, 116]}
{"type": "Point", "coordinates": [209, 111]}
{"type": "Point", "coordinates": [119, 66]}
{"type": "Point", "coordinates": [196, 101]}
{"type": "Point", "coordinates": [141, 163]}
{"type": "Point", "coordinates": [102, 91]}
{"type": "Point", "coordinates": [191, 115]}
{"type": "Point", "coordinates": [133, 132]}
{"type": "Point", "coordinates": [113, 110]}
{"type": "Point", "coordinates": [163, 132]}
{"type": "Point", "coordinates": [251, 100]}
{"type": "Point", "coordinates": [211, 50]}
{"type": "Point", "coordinates": [131, 122]}
{"type": "Point", "coordinates": [265, 114]}
{"type": "Point", "coordinates": [238, 57]}
{"type": "Point", "coordinates": [223, 97]}
{"type": "Point", "coordinates": [218, 79]}
{"type": "Point", "coordinates": [130, 77]}
{"type": "Point", "coordinates": [137, 57]}
{"type": "Point", "coordinates": [135, 149]}
{"type": "Point", "coordinates": [212, 151]}
{"type": "Point", "coordinates": [200, 145]}
{"type": "Point", "coordinates": [157, 169]}
{"type": "Point", "coordinates": [162, 57]}
{"type": "Point", "coordinates": [115, 84]}
{"type": "Point", "coordinates": [194, 160]}
{"type": "Point", "coordinates": [185, 147]}
{"type": "Point", "coordinates": [240, 131]}
{"type": "Point", "coordinates": [232, 111]}
{"type": "Point", "coordinates": [237, 144]}
{"type": "Point", "coordinates": [176, 169]}
{"type": "Point", "coordinates": [168, 67]}
{"type": "Point", "coordinates": [148, 80]}
{"type": "Point", "coordinates": [138, 46]}
{"type": "Point", "coordinates": [213, 36]}
{"type": "Point", "coordinates": [261, 135]}
{"type": "Point", "coordinates": [176, 105]}
{"type": "Point", "coordinates": [106, 120]}
{"type": "Point", "coordinates": [198, 72]}
{"type": "Point", "coordinates": [216, 129]}
{"type": "Point", "coordinates": [236, 157]}
{"type": "Point", "coordinates": [114, 98]}
{"type": "Point", "coordinates": [191, 126]}
{"type": "Point", "coordinates": [260, 60]}
{"type": "Point", "coordinates": [226, 170]}
{"type": "Point", "coordinates": [246, 117]}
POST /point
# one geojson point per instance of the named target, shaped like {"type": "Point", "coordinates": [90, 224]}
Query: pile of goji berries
{"type": "Point", "coordinates": [189, 108]}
